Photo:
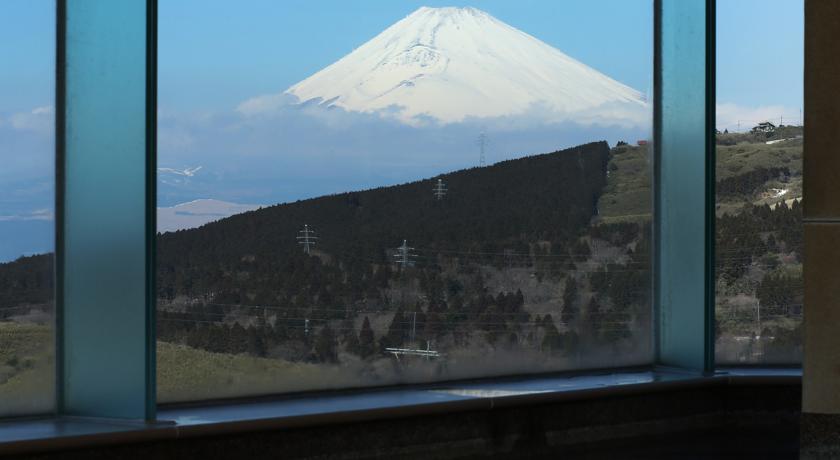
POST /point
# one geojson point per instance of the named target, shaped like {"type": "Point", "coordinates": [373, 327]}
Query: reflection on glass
{"type": "Point", "coordinates": [26, 206]}
{"type": "Point", "coordinates": [759, 183]}
{"type": "Point", "coordinates": [454, 197]}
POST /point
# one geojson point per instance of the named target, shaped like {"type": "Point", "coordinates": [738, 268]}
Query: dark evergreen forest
{"type": "Point", "coordinates": [245, 285]}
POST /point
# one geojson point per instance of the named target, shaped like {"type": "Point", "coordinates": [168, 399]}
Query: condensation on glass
{"type": "Point", "coordinates": [451, 199]}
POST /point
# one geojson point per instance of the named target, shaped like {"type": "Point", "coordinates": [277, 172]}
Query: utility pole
{"type": "Point", "coordinates": [413, 325]}
{"type": "Point", "coordinates": [440, 190]}
{"type": "Point", "coordinates": [307, 238]}
{"type": "Point", "coordinates": [482, 145]}
{"type": "Point", "coordinates": [404, 256]}
{"type": "Point", "coordinates": [509, 257]}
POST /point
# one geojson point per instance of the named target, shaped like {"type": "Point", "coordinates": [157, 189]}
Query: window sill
{"type": "Point", "coordinates": [176, 422]}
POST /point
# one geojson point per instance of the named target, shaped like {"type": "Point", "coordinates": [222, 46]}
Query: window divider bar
{"type": "Point", "coordinates": [105, 208]}
{"type": "Point", "coordinates": [151, 207]}
{"type": "Point", "coordinates": [58, 262]}
{"type": "Point", "coordinates": [684, 188]}
{"type": "Point", "coordinates": [711, 182]}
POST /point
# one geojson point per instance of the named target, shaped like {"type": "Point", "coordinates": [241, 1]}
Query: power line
{"type": "Point", "coordinates": [439, 190]}
{"type": "Point", "coordinates": [482, 142]}
{"type": "Point", "coordinates": [307, 238]}
{"type": "Point", "coordinates": [405, 255]}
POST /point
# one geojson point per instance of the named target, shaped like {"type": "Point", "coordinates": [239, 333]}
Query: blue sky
{"type": "Point", "coordinates": [27, 42]}
{"type": "Point", "coordinates": [215, 54]}
{"type": "Point", "coordinates": [760, 52]}
{"type": "Point", "coordinates": [759, 61]}
{"type": "Point", "coordinates": [238, 53]}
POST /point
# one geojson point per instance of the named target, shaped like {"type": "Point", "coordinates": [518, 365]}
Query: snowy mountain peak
{"type": "Point", "coordinates": [454, 63]}
{"type": "Point", "coordinates": [454, 12]}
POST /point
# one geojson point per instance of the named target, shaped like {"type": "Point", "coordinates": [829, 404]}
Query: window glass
{"type": "Point", "coordinates": [27, 184]}
{"type": "Point", "coordinates": [759, 181]}
{"type": "Point", "coordinates": [369, 193]}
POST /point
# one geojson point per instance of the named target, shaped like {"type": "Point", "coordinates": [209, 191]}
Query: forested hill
{"type": "Point", "coordinates": [548, 197]}
{"type": "Point", "coordinates": [503, 207]}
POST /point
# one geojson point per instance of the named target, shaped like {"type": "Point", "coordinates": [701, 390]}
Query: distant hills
{"type": "Point", "coordinates": [197, 213]}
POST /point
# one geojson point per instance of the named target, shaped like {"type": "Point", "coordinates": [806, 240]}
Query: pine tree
{"type": "Point", "coordinates": [570, 297]}
{"type": "Point", "coordinates": [237, 340]}
{"type": "Point", "coordinates": [367, 341]}
{"type": "Point", "coordinates": [594, 321]}
{"type": "Point", "coordinates": [552, 341]}
{"type": "Point", "coordinates": [396, 331]}
{"type": "Point", "coordinates": [255, 344]}
{"type": "Point", "coordinates": [326, 345]}
{"type": "Point", "coordinates": [351, 343]}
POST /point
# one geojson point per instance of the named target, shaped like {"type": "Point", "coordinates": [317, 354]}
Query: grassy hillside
{"type": "Point", "coordinates": [759, 246]}
{"type": "Point", "coordinates": [189, 374]}
{"type": "Point", "coordinates": [627, 195]}
{"type": "Point", "coordinates": [759, 240]}
{"type": "Point", "coordinates": [737, 161]}
{"type": "Point", "coordinates": [26, 368]}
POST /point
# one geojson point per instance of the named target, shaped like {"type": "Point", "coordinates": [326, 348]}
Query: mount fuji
{"type": "Point", "coordinates": [454, 64]}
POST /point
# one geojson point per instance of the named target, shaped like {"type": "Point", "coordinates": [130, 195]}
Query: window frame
{"type": "Point", "coordinates": [680, 340]}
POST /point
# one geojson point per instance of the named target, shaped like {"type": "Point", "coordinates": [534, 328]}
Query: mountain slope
{"type": "Point", "coordinates": [455, 63]}
{"type": "Point", "coordinates": [549, 197]}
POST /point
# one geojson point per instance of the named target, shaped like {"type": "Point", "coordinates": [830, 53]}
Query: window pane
{"type": "Point", "coordinates": [27, 181]}
{"type": "Point", "coordinates": [410, 195]}
{"type": "Point", "coordinates": [759, 181]}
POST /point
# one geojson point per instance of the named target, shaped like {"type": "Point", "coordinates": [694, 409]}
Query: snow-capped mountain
{"type": "Point", "coordinates": [455, 63]}
{"type": "Point", "coordinates": [197, 213]}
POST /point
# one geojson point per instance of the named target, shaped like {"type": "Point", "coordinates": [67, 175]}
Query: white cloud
{"type": "Point", "coordinates": [38, 214]}
{"type": "Point", "coordinates": [40, 120]}
{"type": "Point", "coordinates": [736, 117]}
{"type": "Point", "coordinates": [174, 137]}
{"type": "Point", "coordinates": [188, 172]}
{"type": "Point", "coordinates": [176, 176]}
{"type": "Point", "coordinates": [265, 103]}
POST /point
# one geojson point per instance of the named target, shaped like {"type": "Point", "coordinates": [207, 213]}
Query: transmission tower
{"type": "Point", "coordinates": [307, 238]}
{"type": "Point", "coordinates": [440, 190]}
{"type": "Point", "coordinates": [482, 146]}
{"type": "Point", "coordinates": [404, 256]}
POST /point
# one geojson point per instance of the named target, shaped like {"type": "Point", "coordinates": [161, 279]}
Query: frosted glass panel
{"type": "Point", "coordinates": [104, 355]}
{"type": "Point", "coordinates": [682, 189]}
